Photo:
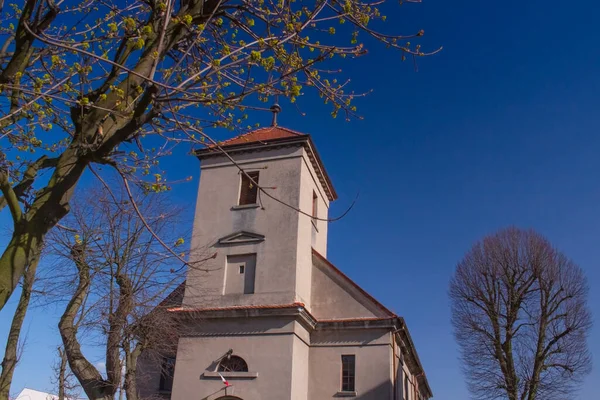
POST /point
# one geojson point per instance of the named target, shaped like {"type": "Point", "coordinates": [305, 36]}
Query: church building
{"type": "Point", "coordinates": [269, 317]}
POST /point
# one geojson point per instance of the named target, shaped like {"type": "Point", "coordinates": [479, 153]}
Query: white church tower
{"type": "Point", "coordinates": [267, 316]}
{"type": "Point", "coordinates": [261, 242]}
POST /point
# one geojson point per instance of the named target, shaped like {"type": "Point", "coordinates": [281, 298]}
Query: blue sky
{"type": "Point", "coordinates": [500, 128]}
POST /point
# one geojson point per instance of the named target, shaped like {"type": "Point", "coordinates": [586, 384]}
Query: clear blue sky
{"type": "Point", "coordinates": [499, 129]}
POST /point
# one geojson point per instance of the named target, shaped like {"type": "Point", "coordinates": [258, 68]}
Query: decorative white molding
{"type": "Point", "coordinates": [245, 207]}
{"type": "Point", "coordinates": [241, 237]}
{"type": "Point", "coordinates": [230, 375]}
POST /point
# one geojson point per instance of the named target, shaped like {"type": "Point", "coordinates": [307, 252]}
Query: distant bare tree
{"type": "Point", "coordinates": [122, 275]}
{"type": "Point", "coordinates": [520, 316]}
{"type": "Point", "coordinates": [64, 379]}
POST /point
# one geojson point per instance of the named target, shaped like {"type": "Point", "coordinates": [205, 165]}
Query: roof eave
{"type": "Point", "coordinates": [216, 150]}
{"type": "Point", "coordinates": [414, 353]}
{"type": "Point", "coordinates": [274, 310]}
{"type": "Point", "coordinates": [302, 140]}
{"type": "Point", "coordinates": [323, 171]}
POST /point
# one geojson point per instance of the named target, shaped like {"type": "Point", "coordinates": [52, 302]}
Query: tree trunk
{"type": "Point", "coordinates": [13, 262]}
{"type": "Point", "coordinates": [62, 374]}
{"type": "Point", "coordinates": [131, 359]}
{"type": "Point", "coordinates": [10, 354]}
{"type": "Point", "coordinates": [50, 205]}
{"type": "Point", "coordinates": [92, 382]}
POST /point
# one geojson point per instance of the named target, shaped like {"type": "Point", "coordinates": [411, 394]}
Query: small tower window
{"type": "Point", "coordinates": [242, 267]}
{"type": "Point", "coordinates": [315, 205]}
{"type": "Point", "coordinates": [348, 373]}
{"type": "Point", "coordinates": [233, 364]}
{"type": "Point", "coordinates": [249, 188]}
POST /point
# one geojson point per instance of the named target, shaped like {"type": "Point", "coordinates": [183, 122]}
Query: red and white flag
{"type": "Point", "coordinates": [224, 380]}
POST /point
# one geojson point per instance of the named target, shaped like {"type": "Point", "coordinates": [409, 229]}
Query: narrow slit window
{"type": "Point", "coordinates": [315, 205]}
{"type": "Point", "coordinates": [249, 188]}
{"type": "Point", "coordinates": [242, 269]}
{"type": "Point", "coordinates": [348, 373]}
{"type": "Point", "coordinates": [167, 373]}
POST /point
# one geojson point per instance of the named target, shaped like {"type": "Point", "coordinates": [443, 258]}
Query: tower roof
{"type": "Point", "coordinates": [272, 136]}
{"type": "Point", "coordinates": [261, 135]}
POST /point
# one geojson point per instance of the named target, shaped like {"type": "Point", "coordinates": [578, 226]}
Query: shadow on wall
{"type": "Point", "coordinates": [328, 338]}
{"type": "Point", "coordinates": [381, 392]}
{"type": "Point", "coordinates": [223, 328]}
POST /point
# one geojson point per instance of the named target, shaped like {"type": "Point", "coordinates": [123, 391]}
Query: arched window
{"type": "Point", "coordinates": [233, 364]}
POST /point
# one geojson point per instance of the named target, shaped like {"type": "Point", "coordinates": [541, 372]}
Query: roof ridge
{"type": "Point", "coordinates": [243, 136]}
{"type": "Point", "coordinates": [237, 137]}
{"type": "Point", "coordinates": [288, 129]}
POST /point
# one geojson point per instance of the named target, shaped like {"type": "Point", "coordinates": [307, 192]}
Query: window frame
{"type": "Point", "coordinates": [248, 194]}
{"type": "Point", "coordinates": [315, 207]}
{"type": "Point", "coordinates": [350, 361]}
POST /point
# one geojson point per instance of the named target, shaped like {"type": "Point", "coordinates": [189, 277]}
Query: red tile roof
{"type": "Point", "coordinates": [261, 135]}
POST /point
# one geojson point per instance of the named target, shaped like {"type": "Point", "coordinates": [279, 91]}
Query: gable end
{"type": "Point", "coordinates": [337, 297]}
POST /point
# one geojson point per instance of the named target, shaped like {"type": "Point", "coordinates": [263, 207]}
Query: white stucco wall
{"type": "Point", "coordinates": [311, 233]}
{"type": "Point", "coordinates": [300, 369]}
{"type": "Point", "coordinates": [283, 259]}
{"type": "Point", "coordinates": [217, 217]}
{"type": "Point", "coordinates": [373, 369]}
{"type": "Point", "coordinates": [272, 347]}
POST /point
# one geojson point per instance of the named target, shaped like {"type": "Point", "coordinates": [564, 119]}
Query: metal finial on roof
{"type": "Point", "coordinates": [275, 109]}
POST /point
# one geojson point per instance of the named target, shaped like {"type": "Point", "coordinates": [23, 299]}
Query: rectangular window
{"type": "Point", "coordinates": [348, 373]}
{"type": "Point", "coordinates": [315, 204]}
{"type": "Point", "coordinates": [239, 274]}
{"type": "Point", "coordinates": [249, 188]}
{"type": "Point", "coordinates": [167, 373]}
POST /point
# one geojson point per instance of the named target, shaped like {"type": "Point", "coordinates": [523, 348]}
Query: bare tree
{"type": "Point", "coordinates": [520, 316]}
{"type": "Point", "coordinates": [120, 84]}
{"type": "Point", "coordinates": [64, 379]}
{"type": "Point", "coordinates": [122, 276]}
